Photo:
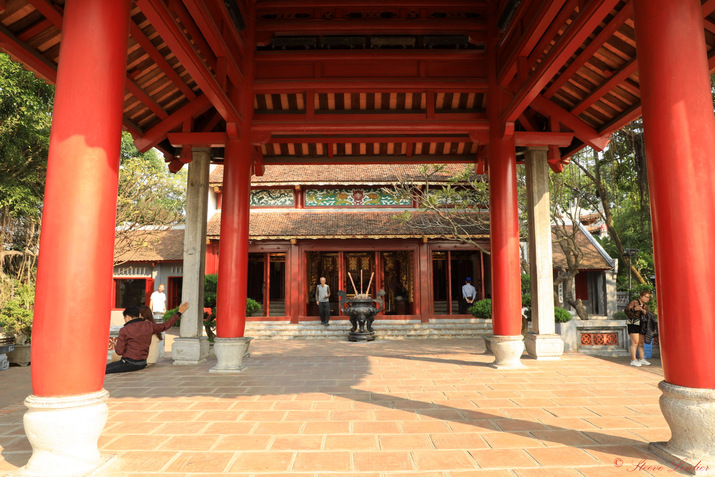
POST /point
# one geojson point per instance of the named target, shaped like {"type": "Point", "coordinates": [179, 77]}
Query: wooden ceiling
{"type": "Point", "coordinates": [366, 81]}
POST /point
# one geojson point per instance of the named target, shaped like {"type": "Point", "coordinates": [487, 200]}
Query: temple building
{"type": "Point", "coordinates": [342, 222]}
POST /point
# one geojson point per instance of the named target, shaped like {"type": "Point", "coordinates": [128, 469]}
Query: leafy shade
{"type": "Point", "coordinates": [16, 313]}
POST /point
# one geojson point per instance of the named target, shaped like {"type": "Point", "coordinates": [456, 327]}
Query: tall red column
{"type": "Point", "coordinates": [680, 142]}
{"type": "Point", "coordinates": [235, 211]}
{"type": "Point", "coordinates": [74, 282]}
{"type": "Point", "coordinates": [504, 233]}
{"type": "Point", "coordinates": [233, 248]}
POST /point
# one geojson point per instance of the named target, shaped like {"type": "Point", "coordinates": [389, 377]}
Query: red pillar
{"type": "Point", "coordinates": [504, 233]}
{"type": "Point", "coordinates": [233, 247]}
{"type": "Point", "coordinates": [236, 198]}
{"type": "Point", "coordinates": [68, 358]}
{"type": "Point", "coordinates": [680, 140]}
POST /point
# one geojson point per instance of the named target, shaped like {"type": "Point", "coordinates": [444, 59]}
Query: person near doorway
{"type": "Point", "coordinates": [469, 294]}
{"type": "Point", "coordinates": [134, 339]}
{"type": "Point", "coordinates": [636, 312]}
{"type": "Point", "coordinates": [322, 298]}
{"type": "Point", "coordinates": [157, 303]}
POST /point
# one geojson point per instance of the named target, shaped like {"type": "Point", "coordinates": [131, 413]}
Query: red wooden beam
{"type": "Point", "coordinates": [194, 34]}
{"type": "Point", "coordinates": [542, 139]}
{"type": "Point", "coordinates": [160, 61]}
{"type": "Point", "coordinates": [588, 52]}
{"type": "Point", "coordinates": [145, 99]}
{"type": "Point", "coordinates": [35, 29]}
{"type": "Point", "coordinates": [574, 37]}
{"type": "Point", "coordinates": [165, 24]}
{"type": "Point", "coordinates": [708, 7]}
{"type": "Point", "coordinates": [582, 130]}
{"type": "Point", "coordinates": [625, 71]}
{"type": "Point", "coordinates": [528, 38]}
{"type": "Point", "coordinates": [371, 55]}
{"type": "Point", "coordinates": [360, 128]}
{"type": "Point", "coordinates": [22, 53]}
{"type": "Point", "coordinates": [371, 139]}
{"type": "Point", "coordinates": [197, 139]}
{"type": "Point", "coordinates": [358, 159]}
{"type": "Point", "coordinates": [369, 86]}
{"type": "Point", "coordinates": [48, 11]}
{"type": "Point", "coordinates": [371, 27]}
{"type": "Point", "coordinates": [413, 4]}
{"type": "Point", "coordinates": [211, 31]}
{"type": "Point", "coordinates": [157, 133]}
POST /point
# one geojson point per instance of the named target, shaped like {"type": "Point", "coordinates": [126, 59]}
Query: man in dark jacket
{"type": "Point", "coordinates": [135, 338]}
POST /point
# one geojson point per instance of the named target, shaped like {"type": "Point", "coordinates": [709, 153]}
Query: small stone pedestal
{"type": "Point", "coordinates": [230, 353]}
{"type": "Point", "coordinates": [190, 351]}
{"type": "Point", "coordinates": [507, 351]}
{"type": "Point", "coordinates": [544, 347]}
{"type": "Point", "coordinates": [690, 413]}
{"type": "Point", "coordinates": [64, 432]}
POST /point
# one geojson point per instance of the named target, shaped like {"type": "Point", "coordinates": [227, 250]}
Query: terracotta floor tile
{"type": "Point", "coordinates": [278, 428]}
{"type": "Point", "coordinates": [351, 442]}
{"type": "Point", "coordinates": [425, 427]}
{"type": "Point", "coordinates": [143, 461]}
{"type": "Point", "coordinates": [190, 443]}
{"type": "Point", "coordinates": [382, 461]}
{"type": "Point", "coordinates": [173, 428]}
{"type": "Point", "coordinates": [322, 462]}
{"type": "Point", "coordinates": [262, 415]}
{"type": "Point", "coordinates": [308, 416]}
{"type": "Point", "coordinates": [297, 442]}
{"type": "Point", "coordinates": [627, 454]}
{"type": "Point", "coordinates": [474, 425]}
{"type": "Point", "coordinates": [229, 416]}
{"type": "Point", "coordinates": [481, 473]}
{"type": "Point", "coordinates": [502, 458]}
{"type": "Point", "coordinates": [242, 443]}
{"type": "Point", "coordinates": [376, 427]}
{"type": "Point", "coordinates": [563, 438]}
{"type": "Point", "coordinates": [211, 462]}
{"type": "Point", "coordinates": [262, 462]}
{"type": "Point", "coordinates": [229, 427]}
{"type": "Point", "coordinates": [136, 441]}
{"type": "Point", "coordinates": [510, 425]}
{"type": "Point", "coordinates": [505, 440]}
{"type": "Point", "coordinates": [351, 416]}
{"type": "Point", "coordinates": [404, 442]}
{"type": "Point", "coordinates": [327, 427]}
{"type": "Point", "coordinates": [552, 472]}
{"type": "Point", "coordinates": [443, 460]}
{"type": "Point", "coordinates": [561, 456]}
{"type": "Point", "coordinates": [396, 415]}
{"type": "Point", "coordinates": [458, 441]}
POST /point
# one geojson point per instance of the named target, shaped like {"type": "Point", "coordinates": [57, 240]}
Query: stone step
{"type": "Point", "coordinates": [388, 329]}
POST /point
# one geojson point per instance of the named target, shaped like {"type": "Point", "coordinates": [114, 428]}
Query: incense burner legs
{"type": "Point", "coordinates": [362, 312]}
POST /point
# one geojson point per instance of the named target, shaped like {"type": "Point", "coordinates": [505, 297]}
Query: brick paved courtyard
{"type": "Point", "coordinates": [419, 408]}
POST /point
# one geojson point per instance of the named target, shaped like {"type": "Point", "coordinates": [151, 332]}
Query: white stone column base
{"type": "Point", "coordinates": [63, 432]}
{"type": "Point", "coordinates": [544, 347]}
{"type": "Point", "coordinates": [229, 353]}
{"type": "Point", "coordinates": [690, 413]}
{"type": "Point", "coordinates": [507, 351]}
{"type": "Point", "coordinates": [190, 351]}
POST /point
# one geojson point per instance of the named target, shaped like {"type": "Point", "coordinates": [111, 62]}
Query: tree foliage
{"type": "Point", "coordinates": [150, 200]}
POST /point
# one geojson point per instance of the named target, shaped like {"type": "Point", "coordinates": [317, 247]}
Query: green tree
{"type": "Point", "coordinates": [150, 200]}
{"type": "Point", "coordinates": [25, 119]}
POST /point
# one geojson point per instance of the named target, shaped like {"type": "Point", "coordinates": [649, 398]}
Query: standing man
{"type": "Point", "coordinates": [157, 303]}
{"type": "Point", "coordinates": [469, 294]}
{"type": "Point", "coordinates": [322, 295]}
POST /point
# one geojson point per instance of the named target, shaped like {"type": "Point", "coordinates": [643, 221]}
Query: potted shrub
{"type": "Point", "coordinates": [16, 321]}
{"type": "Point", "coordinates": [566, 327]}
{"type": "Point", "coordinates": [482, 309]}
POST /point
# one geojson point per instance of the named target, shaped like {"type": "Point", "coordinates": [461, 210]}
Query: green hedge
{"type": "Point", "coordinates": [482, 309]}
{"type": "Point", "coordinates": [561, 315]}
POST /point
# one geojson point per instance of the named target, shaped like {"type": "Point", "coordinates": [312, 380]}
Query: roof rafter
{"type": "Point", "coordinates": [211, 31]}
{"type": "Point", "coordinates": [371, 27]}
{"type": "Point", "coordinates": [156, 134]}
{"type": "Point", "coordinates": [165, 24]}
{"type": "Point", "coordinates": [581, 130]}
{"type": "Point", "coordinates": [573, 38]}
{"type": "Point", "coordinates": [625, 71]}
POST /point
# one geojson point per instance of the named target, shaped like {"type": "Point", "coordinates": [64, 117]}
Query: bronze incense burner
{"type": "Point", "coordinates": [362, 310]}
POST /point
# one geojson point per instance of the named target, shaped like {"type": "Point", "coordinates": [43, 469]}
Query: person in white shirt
{"type": "Point", "coordinates": [469, 294]}
{"type": "Point", "coordinates": [157, 303]}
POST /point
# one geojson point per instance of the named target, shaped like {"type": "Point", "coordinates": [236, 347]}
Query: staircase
{"type": "Point", "coordinates": [384, 329]}
{"type": "Point", "coordinates": [440, 307]}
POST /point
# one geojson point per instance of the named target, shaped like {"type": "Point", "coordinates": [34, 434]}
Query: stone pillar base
{"type": "Point", "coordinates": [190, 351]}
{"type": "Point", "coordinates": [544, 347]}
{"type": "Point", "coordinates": [229, 353]}
{"type": "Point", "coordinates": [690, 413]}
{"type": "Point", "coordinates": [63, 432]}
{"type": "Point", "coordinates": [507, 351]}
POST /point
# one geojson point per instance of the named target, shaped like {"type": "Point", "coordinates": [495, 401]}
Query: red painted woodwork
{"type": "Point", "coordinates": [595, 139]}
{"type": "Point", "coordinates": [82, 169]}
{"type": "Point", "coordinates": [233, 246]}
{"type": "Point", "coordinates": [679, 139]}
{"type": "Point", "coordinates": [157, 133]}
{"type": "Point", "coordinates": [581, 280]}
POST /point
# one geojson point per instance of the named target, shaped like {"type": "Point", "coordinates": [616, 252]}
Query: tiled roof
{"type": "Point", "coordinates": [165, 245]}
{"type": "Point", "coordinates": [591, 259]}
{"type": "Point", "coordinates": [347, 174]}
{"type": "Point", "coordinates": [301, 224]}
